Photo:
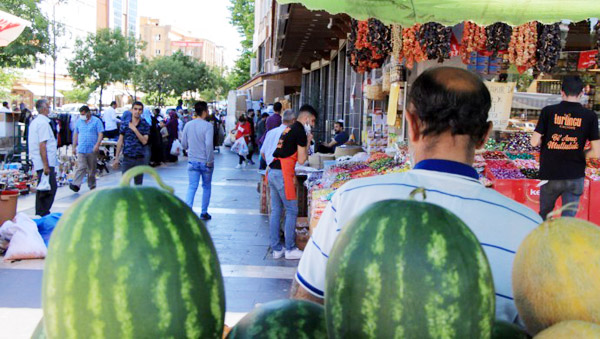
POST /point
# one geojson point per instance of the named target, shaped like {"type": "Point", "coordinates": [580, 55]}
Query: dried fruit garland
{"type": "Point", "coordinates": [548, 48]}
{"type": "Point", "coordinates": [523, 46]}
{"type": "Point", "coordinates": [598, 44]}
{"type": "Point", "coordinates": [436, 39]}
{"type": "Point", "coordinates": [473, 40]}
{"type": "Point", "coordinates": [412, 50]}
{"type": "Point", "coordinates": [397, 42]}
{"type": "Point", "coordinates": [498, 37]}
{"type": "Point", "coordinates": [369, 45]}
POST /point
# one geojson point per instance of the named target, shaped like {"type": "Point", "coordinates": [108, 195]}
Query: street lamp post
{"type": "Point", "coordinates": [54, 56]}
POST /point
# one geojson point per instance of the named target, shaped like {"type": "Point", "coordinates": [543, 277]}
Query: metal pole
{"type": "Point", "coordinates": [54, 57]}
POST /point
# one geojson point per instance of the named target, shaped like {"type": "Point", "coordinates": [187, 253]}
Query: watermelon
{"type": "Point", "coordinates": [282, 319]}
{"type": "Point", "coordinates": [408, 269]}
{"type": "Point", "coordinates": [506, 330]}
{"type": "Point", "coordinates": [556, 272]}
{"type": "Point", "coordinates": [131, 262]}
{"type": "Point", "coordinates": [39, 332]}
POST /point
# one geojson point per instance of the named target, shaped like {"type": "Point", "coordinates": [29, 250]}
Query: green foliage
{"type": "Point", "coordinates": [77, 95]}
{"type": "Point", "coordinates": [219, 89]}
{"type": "Point", "coordinates": [103, 58]}
{"type": "Point", "coordinates": [7, 78]}
{"type": "Point", "coordinates": [172, 76]}
{"type": "Point", "coordinates": [34, 42]}
{"type": "Point", "coordinates": [242, 17]}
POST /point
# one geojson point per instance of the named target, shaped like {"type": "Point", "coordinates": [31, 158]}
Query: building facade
{"type": "Point", "coordinates": [121, 14]}
{"type": "Point", "coordinates": [164, 40]}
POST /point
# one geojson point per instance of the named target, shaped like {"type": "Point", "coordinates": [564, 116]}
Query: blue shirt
{"type": "Point", "coordinates": [132, 147]}
{"type": "Point", "coordinates": [341, 138]}
{"type": "Point", "coordinates": [87, 134]}
{"type": "Point", "coordinates": [499, 223]}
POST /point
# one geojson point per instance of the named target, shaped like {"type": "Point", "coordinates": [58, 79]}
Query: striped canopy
{"type": "Point", "coordinates": [451, 12]}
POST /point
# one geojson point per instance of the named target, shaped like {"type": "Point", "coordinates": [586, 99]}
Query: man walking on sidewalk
{"type": "Point", "coordinates": [133, 139]}
{"type": "Point", "coordinates": [86, 145]}
{"type": "Point", "coordinates": [292, 148]}
{"type": "Point", "coordinates": [198, 140]}
{"type": "Point", "coordinates": [42, 151]}
{"type": "Point", "coordinates": [111, 121]}
{"type": "Point", "coordinates": [562, 132]}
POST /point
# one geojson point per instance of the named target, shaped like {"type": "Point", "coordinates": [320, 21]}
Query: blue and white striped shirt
{"type": "Point", "coordinates": [499, 223]}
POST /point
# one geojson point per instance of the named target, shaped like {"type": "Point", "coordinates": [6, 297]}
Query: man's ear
{"type": "Point", "coordinates": [487, 136]}
{"type": "Point", "coordinates": [414, 127]}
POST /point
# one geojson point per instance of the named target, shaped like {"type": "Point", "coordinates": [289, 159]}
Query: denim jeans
{"type": "Point", "coordinates": [570, 190]}
{"type": "Point", "coordinates": [195, 171]}
{"type": "Point", "coordinates": [278, 202]}
{"type": "Point", "coordinates": [129, 163]}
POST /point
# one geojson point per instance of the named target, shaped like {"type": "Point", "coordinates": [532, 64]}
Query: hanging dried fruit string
{"type": "Point", "coordinates": [473, 40]}
{"type": "Point", "coordinates": [598, 44]}
{"type": "Point", "coordinates": [548, 47]}
{"type": "Point", "coordinates": [369, 45]}
{"type": "Point", "coordinates": [397, 42]}
{"type": "Point", "coordinates": [523, 46]}
{"type": "Point", "coordinates": [436, 39]}
{"type": "Point", "coordinates": [498, 37]}
{"type": "Point", "coordinates": [411, 48]}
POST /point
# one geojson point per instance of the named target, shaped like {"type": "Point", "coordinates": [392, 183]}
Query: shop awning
{"type": "Point", "coordinates": [10, 28]}
{"type": "Point", "coordinates": [42, 91]}
{"type": "Point", "coordinates": [451, 12]}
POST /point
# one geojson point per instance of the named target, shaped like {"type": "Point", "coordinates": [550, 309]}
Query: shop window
{"type": "Point", "coordinates": [158, 37]}
{"type": "Point", "coordinates": [157, 52]}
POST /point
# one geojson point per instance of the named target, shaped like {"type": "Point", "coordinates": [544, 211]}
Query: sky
{"type": "Point", "coordinates": [208, 19]}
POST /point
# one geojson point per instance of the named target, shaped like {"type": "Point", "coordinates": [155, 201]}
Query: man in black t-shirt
{"type": "Point", "coordinates": [562, 132]}
{"type": "Point", "coordinates": [291, 149]}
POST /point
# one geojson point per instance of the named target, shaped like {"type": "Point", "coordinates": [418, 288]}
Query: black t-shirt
{"type": "Point", "coordinates": [565, 129]}
{"type": "Point", "coordinates": [291, 138]}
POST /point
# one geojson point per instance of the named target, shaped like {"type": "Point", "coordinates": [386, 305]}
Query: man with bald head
{"type": "Point", "coordinates": [447, 121]}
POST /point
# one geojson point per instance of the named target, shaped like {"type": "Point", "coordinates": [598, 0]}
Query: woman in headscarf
{"type": "Point", "coordinates": [173, 129]}
{"type": "Point", "coordinates": [157, 154]}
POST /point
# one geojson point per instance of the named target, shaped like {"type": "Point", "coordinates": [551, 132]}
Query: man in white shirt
{"type": "Point", "coordinates": [111, 129]}
{"type": "Point", "coordinates": [5, 108]}
{"type": "Point", "coordinates": [447, 120]}
{"type": "Point", "coordinates": [42, 151]}
{"type": "Point", "coordinates": [272, 138]}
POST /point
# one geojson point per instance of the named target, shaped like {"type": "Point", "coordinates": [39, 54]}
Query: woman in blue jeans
{"type": "Point", "coordinates": [197, 138]}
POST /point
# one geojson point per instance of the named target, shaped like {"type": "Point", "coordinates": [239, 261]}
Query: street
{"type": "Point", "coordinates": [240, 234]}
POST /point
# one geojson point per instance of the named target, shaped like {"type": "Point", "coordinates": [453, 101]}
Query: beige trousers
{"type": "Point", "coordinates": [86, 164]}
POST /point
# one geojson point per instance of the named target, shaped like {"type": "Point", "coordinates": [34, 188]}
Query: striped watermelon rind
{"type": "Point", "coordinates": [132, 263]}
{"type": "Point", "coordinates": [410, 269]}
{"type": "Point", "coordinates": [282, 319]}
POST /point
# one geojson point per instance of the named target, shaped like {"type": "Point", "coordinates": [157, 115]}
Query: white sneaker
{"type": "Point", "coordinates": [244, 164]}
{"type": "Point", "coordinates": [294, 254]}
{"type": "Point", "coordinates": [278, 254]}
{"type": "Point", "coordinates": [238, 166]}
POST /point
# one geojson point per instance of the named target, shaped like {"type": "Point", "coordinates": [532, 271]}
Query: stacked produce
{"type": "Point", "coordinates": [412, 51]}
{"type": "Point", "coordinates": [498, 37]}
{"type": "Point", "coordinates": [436, 39]}
{"type": "Point", "coordinates": [523, 46]}
{"type": "Point", "coordinates": [548, 48]}
{"type": "Point", "coordinates": [473, 40]}
{"type": "Point", "coordinates": [369, 45]}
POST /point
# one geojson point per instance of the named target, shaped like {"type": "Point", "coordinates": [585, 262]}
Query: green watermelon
{"type": "Point", "coordinates": [408, 269]}
{"type": "Point", "coordinates": [39, 332]}
{"type": "Point", "coordinates": [131, 262]}
{"type": "Point", "coordinates": [506, 330]}
{"type": "Point", "coordinates": [282, 319]}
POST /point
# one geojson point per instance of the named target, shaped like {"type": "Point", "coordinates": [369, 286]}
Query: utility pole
{"type": "Point", "coordinates": [54, 56]}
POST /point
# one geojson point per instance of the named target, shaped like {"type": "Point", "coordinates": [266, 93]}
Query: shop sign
{"type": "Point", "coordinates": [587, 59]}
{"type": "Point", "coordinates": [502, 95]}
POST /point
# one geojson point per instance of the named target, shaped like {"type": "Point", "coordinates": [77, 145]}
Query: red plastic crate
{"type": "Point", "coordinates": [594, 208]}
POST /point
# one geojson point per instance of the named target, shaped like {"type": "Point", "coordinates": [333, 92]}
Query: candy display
{"type": "Point", "coordinates": [436, 39]}
{"type": "Point", "coordinates": [494, 155]}
{"type": "Point", "coordinates": [473, 40]}
{"type": "Point", "coordinates": [412, 50]}
{"type": "Point", "coordinates": [503, 169]}
{"type": "Point", "coordinates": [498, 37]}
{"type": "Point", "coordinates": [548, 49]}
{"type": "Point", "coordinates": [523, 46]}
{"type": "Point", "coordinates": [493, 145]}
{"type": "Point", "coordinates": [520, 142]}
{"type": "Point", "coordinates": [369, 45]}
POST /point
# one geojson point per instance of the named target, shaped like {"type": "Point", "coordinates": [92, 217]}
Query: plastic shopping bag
{"type": "Point", "coordinates": [176, 148]}
{"type": "Point", "coordinates": [240, 147]}
{"type": "Point", "coordinates": [44, 184]}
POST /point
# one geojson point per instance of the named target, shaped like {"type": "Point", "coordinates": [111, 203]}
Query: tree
{"type": "Point", "coordinates": [103, 58]}
{"type": "Point", "coordinates": [77, 95]}
{"type": "Point", "coordinates": [7, 78]}
{"type": "Point", "coordinates": [34, 42]}
{"type": "Point", "coordinates": [242, 17]}
{"type": "Point", "coordinates": [219, 88]}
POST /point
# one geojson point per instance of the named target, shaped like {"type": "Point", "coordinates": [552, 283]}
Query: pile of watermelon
{"type": "Point", "coordinates": [120, 266]}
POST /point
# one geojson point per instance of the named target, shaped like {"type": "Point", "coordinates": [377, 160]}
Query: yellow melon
{"type": "Point", "coordinates": [570, 330]}
{"type": "Point", "coordinates": [556, 274]}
